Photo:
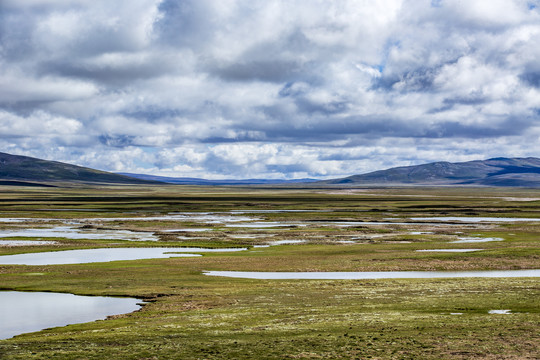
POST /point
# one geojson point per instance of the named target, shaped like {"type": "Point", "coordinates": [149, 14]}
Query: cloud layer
{"type": "Point", "coordinates": [275, 89]}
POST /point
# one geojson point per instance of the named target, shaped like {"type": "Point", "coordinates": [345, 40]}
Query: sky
{"type": "Point", "coordinates": [276, 89]}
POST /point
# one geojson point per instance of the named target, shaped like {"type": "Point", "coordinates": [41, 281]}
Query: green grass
{"type": "Point", "coordinates": [192, 316]}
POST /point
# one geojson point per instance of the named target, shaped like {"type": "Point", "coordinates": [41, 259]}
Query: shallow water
{"type": "Point", "coordinates": [364, 275]}
{"type": "Point", "coordinates": [248, 211]}
{"type": "Point", "coordinates": [208, 218]}
{"type": "Point", "coordinates": [187, 230]}
{"type": "Point", "coordinates": [500, 312]}
{"type": "Point", "coordinates": [260, 225]}
{"type": "Point", "coordinates": [475, 240]}
{"type": "Point", "coordinates": [473, 219]}
{"type": "Point", "coordinates": [450, 250]}
{"type": "Point", "coordinates": [211, 218]}
{"type": "Point", "coordinates": [23, 312]}
{"type": "Point", "coordinates": [400, 223]}
{"type": "Point", "coordinates": [250, 236]}
{"type": "Point", "coordinates": [26, 243]}
{"type": "Point", "coordinates": [104, 255]}
{"type": "Point", "coordinates": [360, 223]}
{"type": "Point", "coordinates": [286, 242]}
{"type": "Point", "coordinates": [14, 220]}
{"type": "Point", "coordinates": [69, 232]}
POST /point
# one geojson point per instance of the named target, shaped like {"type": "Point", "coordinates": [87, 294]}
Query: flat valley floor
{"type": "Point", "coordinates": [190, 315]}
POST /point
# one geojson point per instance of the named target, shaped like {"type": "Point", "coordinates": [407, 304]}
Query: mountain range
{"type": "Point", "coordinates": [512, 172]}
{"type": "Point", "coordinates": [521, 172]}
{"type": "Point", "coordinates": [198, 181]}
{"type": "Point", "coordinates": [29, 171]}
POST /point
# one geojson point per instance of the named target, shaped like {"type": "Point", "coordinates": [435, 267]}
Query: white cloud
{"type": "Point", "coordinates": [16, 86]}
{"type": "Point", "coordinates": [38, 123]}
{"type": "Point", "coordinates": [268, 88]}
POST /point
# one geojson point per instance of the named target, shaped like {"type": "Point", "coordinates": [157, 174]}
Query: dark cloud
{"type": "Point", "coordinates": [272, 71]}
{"type": "Point", "coordinates": [279, 61]}
{"type": "Point", "coordinates": [107, 74]}
{"type": "Point", "coordinates": [473, 99]}
{"type": "Point", "coordinates": [454, 129]}
{"type": "Point", "coordinates": [152, 113]}
{"type": "Point", "coordinates": [185, 23]}
{"type": "Point", "coordinates": [117, 140]}
{"type": "Point", "coordinates": [24, 108]}
{"type": "Point", "coordinates": [309, 107]}
{"type": "Point", "coordinates": [15, 35]}
{"type": "Point", "coordinates": [531, 78]}
{"type": "Point", "coordinates": [417, 80]}
{"type": "Point", "coordinates": [290, 89]}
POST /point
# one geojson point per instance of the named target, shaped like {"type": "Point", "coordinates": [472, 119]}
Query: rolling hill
{"type": "Point", "coordinates": [510, 172]}
{"type": "Point", "coordinates": [28, 171]}
{"type": "Point", "coordinates": [199, 181]}
{"type": "Point", "coordinates": [520, 172]}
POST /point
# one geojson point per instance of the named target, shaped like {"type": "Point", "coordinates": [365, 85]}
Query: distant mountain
{"type": "Point", "coordinates": [520, 172]}
{"type": "Point", "coordinates": [28, 171]}
{"type": "Point", "coordinates": [197, 181]}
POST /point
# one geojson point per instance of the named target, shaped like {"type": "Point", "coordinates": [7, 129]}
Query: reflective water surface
{"type": "Point", "coordinates": [25, 243]}
{"type": "Point", "coordinates": [23, 312]}
{"type": "Point", "coordinates": [103, 255]}
{"type": "Point", "coordinates": [70, 232]}
{"type": "Point", "coordinates": [187, 230]}
{"type": "Point", "coordinates": [254, 211]}
{"type": "Point", "coordinates": [475, 240]}
{"type": "Point", "coordinates": [373, 275]}
{"type": "Point", "coordinates": [449, 250]}
{"type": "Point", "coordinates": [473, 219]}
{"type": "Point", "coordinates": [264, 224]}
{"type": "Point", "coordinates": [286, 242]}
{"type": "Point", "coordinates": [250, 236]}
{"type": "Point", "coordinates": [207, 218]}
{"type": "Point", "coordinates": [500, 312]}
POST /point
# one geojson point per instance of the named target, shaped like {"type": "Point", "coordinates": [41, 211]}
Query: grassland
{"type": "Point", "coordinates": [192, 316]}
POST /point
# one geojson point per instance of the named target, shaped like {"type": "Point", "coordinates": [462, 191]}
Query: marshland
{"type": "Point", "coordinates": [186, 314]}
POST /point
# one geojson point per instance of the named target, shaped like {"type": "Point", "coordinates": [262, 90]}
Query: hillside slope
{"type": "Point", "coordinates": [523, 172]}
{"type": "Point", "coordinates": [15, 168]}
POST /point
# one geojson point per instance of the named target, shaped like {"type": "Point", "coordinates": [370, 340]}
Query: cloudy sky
{"type": "Point", "coordinates": [268, 88]}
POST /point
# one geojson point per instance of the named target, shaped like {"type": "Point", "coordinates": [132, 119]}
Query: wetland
{"type": "Point", "coordinates": [352, 256]}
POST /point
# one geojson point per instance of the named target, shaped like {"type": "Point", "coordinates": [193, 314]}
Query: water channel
{"type": "Point", "coordinates": [69, 232]}
{"type": "Point", "coordinates": [474, 219]}
{"type": "Point", "coordinates": [26, 243]}
{"type": "Point", "coordinates": [365, 275]}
